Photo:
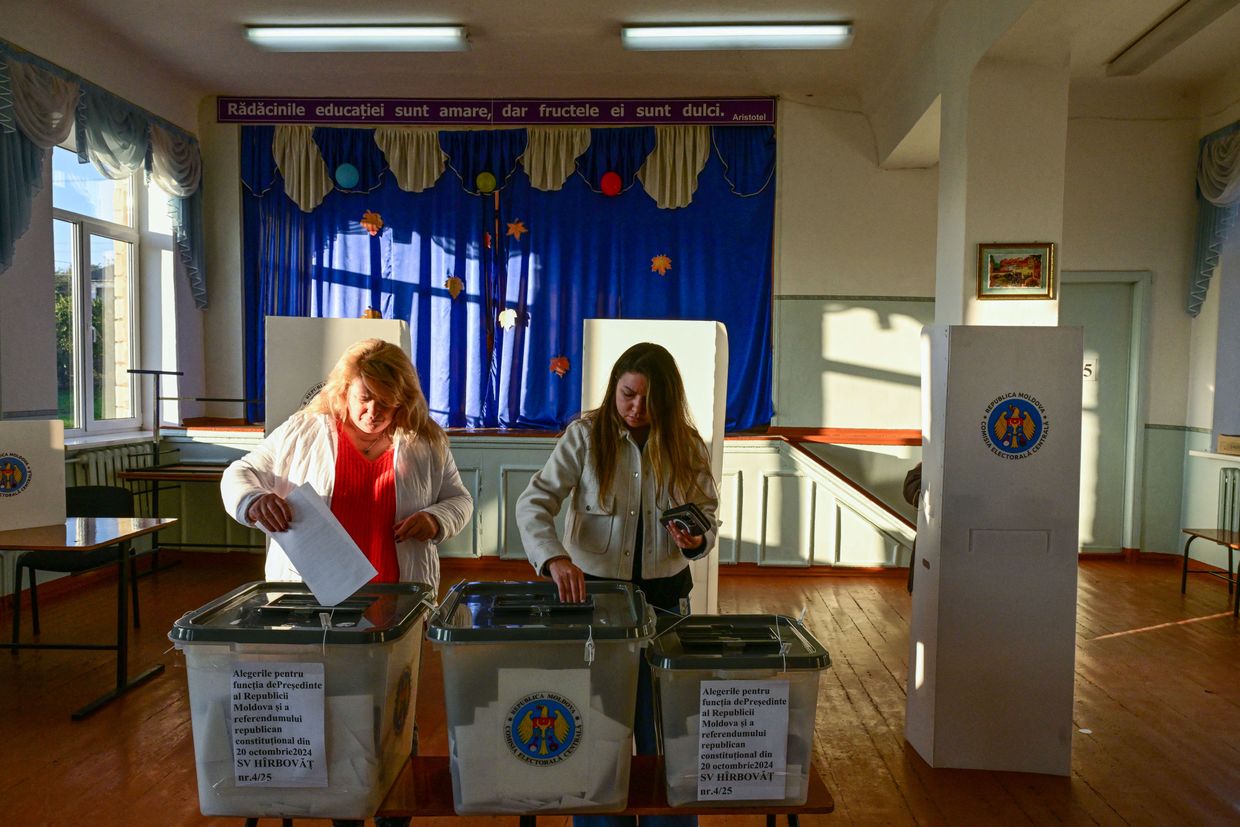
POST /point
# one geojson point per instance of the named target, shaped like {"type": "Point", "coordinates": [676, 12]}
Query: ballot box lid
{"type": "Point", "coordinates": [288, 613]}
{"type": "Point", "coordinates": [736, 642]}
{"type": "Point", "coordinates": [532, 611]}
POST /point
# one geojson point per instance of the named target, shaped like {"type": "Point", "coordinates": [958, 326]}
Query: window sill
{"type": "Point", "coordinates": [1212, 455]}
{"type": "Point", "coordinates": [107, 440]}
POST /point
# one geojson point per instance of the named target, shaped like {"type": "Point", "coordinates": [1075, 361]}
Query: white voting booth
{"type": "Point", "coordinates": [32, 473]}
{"type": "Point", "coordinates": [701, 353]}
{"type": "Point", "coordinates": [32, 480]}
{"type": "Point", "coordinates": [301, 352]}
{"type": "Point", "coordinates": [992, 637]}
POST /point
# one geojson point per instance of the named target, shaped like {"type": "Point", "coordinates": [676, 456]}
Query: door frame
{"type": "Point", "coordinates": [1138, 398]}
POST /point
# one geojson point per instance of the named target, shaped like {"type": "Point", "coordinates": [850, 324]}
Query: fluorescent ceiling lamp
{"type": "Point", "coordinates": [358, 38]}
{"type": "Point", "coordinates": [739, 36]}
{"type": "Point", "coordinates": [1186, 20]}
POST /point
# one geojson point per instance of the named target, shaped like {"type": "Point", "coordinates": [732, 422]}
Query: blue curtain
{"type": "Point", "coordinates": [552, 258]}
{"type": "Point", "coordinates": [1214, 227]}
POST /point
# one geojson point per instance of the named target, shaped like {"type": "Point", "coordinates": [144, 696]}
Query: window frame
{"type": "Point", "coordinates": [83, 229]}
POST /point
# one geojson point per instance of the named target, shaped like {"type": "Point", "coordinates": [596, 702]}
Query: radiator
{"type": "Point", "coordinates": [1229, 499]}
{"type": "Point", "coordinates": [99, 466]}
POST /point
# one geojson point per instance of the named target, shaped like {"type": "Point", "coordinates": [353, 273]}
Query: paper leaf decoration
{"type": "Point", "coordinates": [660, 264]}
{"type": "Point", "coordinates": [372, 221]}
{"type": "Point", "coordinates": [559, 365]}
{"type": "Point", "coordinates": [508, 319]}
{"type": "Point", "coordinates": [454, 285]}
{"type": "Point", "coordinates": [486, 240]}
{"type": "Point", "coordinates": [516, 228]}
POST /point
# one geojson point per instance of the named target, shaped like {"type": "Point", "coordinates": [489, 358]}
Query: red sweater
{"type": "Point", "coordinates": [364, 501]}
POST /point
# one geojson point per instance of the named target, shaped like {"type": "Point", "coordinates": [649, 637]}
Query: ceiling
{"type": "Point", "coordinates": [562, 48]}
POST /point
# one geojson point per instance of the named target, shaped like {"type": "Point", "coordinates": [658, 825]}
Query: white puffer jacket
{"type": "Point", "coordinates": [303, 449]}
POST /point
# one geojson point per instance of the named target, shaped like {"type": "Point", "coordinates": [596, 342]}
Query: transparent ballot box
{"type": "Point", "coordinates": [539, 694]}
{"type": "Point", "coordinates": [301, 710]}
{"type": "Point", "coordinates": [736, 696]}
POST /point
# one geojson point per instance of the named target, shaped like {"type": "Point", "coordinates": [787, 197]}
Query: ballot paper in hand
{"type": "Point", "coordinates": [328, 560]}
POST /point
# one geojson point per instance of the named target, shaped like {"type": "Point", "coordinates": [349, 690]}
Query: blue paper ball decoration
{"type": "Point", "coordinates": [346, 176]}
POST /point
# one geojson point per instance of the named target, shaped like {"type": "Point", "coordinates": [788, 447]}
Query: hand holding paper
{"type": "Point", "coordinates": [324, 554]}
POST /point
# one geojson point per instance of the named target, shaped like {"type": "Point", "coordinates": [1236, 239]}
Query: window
{"type": "Point", "coordinates": [95, 238]}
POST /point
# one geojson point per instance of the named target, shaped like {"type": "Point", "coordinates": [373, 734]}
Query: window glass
{"type": "Point", "coordinates": [158, 206]}
{"type": "Point", "coordinates": [111, 263]}
{"type": "Point", "coordinates": [66, 324]}
{"type": "Point", "coordinates": [82, 189]}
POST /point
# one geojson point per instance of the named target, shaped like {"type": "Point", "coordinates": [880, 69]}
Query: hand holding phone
{"type": "Point", "coordinates": [688, 518]}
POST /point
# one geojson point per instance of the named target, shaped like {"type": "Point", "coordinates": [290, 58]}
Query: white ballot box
{"type": "Point", "coordinates": [992, 636]}
{"type": "Point", "coordinates": [32, 473]}
{"type": "Point", "coordinates": [295, 718]}
{"type": "Point", "coordinates": [540, 694]}
{"type": "Point", "coordinates": [736, 700]}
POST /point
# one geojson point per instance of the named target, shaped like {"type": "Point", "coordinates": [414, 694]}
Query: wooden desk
{"type": "Point", "coordinates": [84, 534]}
{"type": "Point", "coordinates": [424, 789]}
{"type": "Point", "coordinates": [1231, 540]}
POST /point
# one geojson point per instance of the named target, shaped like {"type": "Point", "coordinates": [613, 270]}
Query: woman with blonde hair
{"type": "Point", "coordinates": [621, 466]}
{"type": "Point", "coordinates": [369, 447]}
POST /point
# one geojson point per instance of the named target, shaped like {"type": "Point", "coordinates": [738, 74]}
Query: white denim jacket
{"type": "Point", "coordinates": [303, 449]}
{"type": "Point", "coordinates": [600, 536]}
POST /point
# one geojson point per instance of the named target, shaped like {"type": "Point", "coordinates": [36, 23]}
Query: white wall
{"type": "Point", "coordinates": [846, 227]}
{"type": "Point", "coordinates": [69, 40]}
{"type": "Point", "coordinates": [1129, 205]}
{"type": "Point", "coordinates": [27, 328]}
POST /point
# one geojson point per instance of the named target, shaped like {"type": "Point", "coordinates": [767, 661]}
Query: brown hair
{"type": "Point", "coordinates": [675, 449]}
{"type": "Point", "coordinates": [391, 379]}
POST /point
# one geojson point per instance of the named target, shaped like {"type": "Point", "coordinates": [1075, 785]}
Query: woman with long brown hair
{"type": "Point", "coordinates": [621, 466]}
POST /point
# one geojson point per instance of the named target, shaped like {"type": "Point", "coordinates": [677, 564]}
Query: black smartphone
{"type": "Point", "coordinates": [687, 517]}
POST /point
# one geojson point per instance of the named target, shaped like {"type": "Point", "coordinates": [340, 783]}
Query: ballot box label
{"type": "Point", "coordinates": [742, 740]}
{"type": "Point", "coordinates": [543, 728]}
{"type": "Point", "coordinates": [277, 724]}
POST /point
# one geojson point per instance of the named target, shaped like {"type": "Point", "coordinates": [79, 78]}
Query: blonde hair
{"type": "Point", "coordinates": [391, 380]}
{"type": "Point", "coordinates": [676, 451]}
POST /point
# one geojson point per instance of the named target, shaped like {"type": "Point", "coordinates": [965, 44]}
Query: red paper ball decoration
{"type": "Point", "coordinates": [610, 183]}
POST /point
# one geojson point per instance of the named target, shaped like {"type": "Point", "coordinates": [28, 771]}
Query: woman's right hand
{"type": "Point", "coordinates": [569, 579]}
{"type": "Point", "coordinates": [271, 511]}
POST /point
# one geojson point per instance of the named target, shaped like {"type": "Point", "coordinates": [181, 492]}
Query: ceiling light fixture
{"type": "Point", "coordinates": [359, 38]}
{"type": "Point", "coordinates": [1186, 20]}
{"type": "Point", "coordinates": [739, 36]}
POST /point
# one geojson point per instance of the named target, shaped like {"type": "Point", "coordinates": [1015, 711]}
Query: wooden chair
{"type": "Point", "coordinates": [80, 501]}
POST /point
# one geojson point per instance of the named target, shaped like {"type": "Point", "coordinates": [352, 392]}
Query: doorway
{"type": "Point", "coordinates": [1110, 307]}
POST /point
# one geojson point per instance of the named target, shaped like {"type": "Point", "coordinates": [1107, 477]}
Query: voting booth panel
{"type": "Point", "coordinates": [32, 473]}
{"type": "Point", "coordinates": [300, 352]}
{"type": "Point", "coordinates": [992, 637]}
{"type": "Point", "coordinates": [701, 353]}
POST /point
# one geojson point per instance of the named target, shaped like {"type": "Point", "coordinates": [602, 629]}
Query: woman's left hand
{"type": "Point", "coordinates": [684, 539]}
{"type": "Point", "coordinates": [422, 526]}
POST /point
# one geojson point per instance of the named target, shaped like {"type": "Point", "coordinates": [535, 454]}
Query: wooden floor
{"type": "Point", "coordinates": [1157, 711]}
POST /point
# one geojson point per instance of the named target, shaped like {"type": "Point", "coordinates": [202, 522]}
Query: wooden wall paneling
{"type": "Point", "coordinates": [467, 542]}
{"type": "Point", "coordinates": [826, 536]}
{"type": "Point", "coordinates": [731, 516]}
{"type": "Point", "coordinates": [787, 520]}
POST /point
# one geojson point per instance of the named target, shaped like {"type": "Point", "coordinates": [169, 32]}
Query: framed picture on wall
{"type": "Point", "coordinates": [1016, 271]}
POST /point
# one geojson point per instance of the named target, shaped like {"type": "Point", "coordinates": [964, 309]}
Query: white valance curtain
{"type": "Point", "coordinates": [415, 156]}
{"type": "Point", "coordinates": [1218, 204]}
{"type": "Point", "coordinates": [40, 104]}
